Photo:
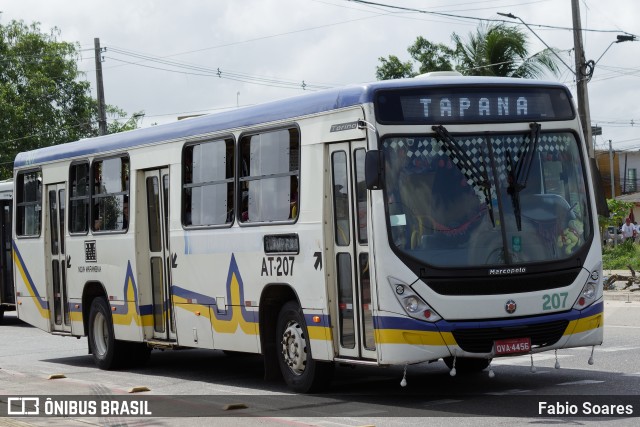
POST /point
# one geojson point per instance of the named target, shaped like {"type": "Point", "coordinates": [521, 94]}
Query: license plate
{"type": "Point", "coordinates": [512, 346]}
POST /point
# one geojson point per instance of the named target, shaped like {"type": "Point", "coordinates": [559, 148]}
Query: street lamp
{"type": "Point", "coordinates": [512, 16]}
{"type": "Point", "coordinates": [588, 64]}
{"type": "Point", "coordinates": [583, 70]}
{"type": "Point", "coordinates": [620, 39]}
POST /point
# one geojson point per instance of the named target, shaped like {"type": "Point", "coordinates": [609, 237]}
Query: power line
{"type": "Point", "coordinates": [197, 70]}
{"type": "Point", "coordinates": [451, 15]}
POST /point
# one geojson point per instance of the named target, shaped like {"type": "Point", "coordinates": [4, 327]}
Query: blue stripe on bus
{"type": "Point", "coordinates": [280, 110]}
{"type": "Point", "coordinates": [222, 313]}
{"type": "Point", "coordinates": [249, 116]}
{"type": "Point", "coordinates": [43, 304]}
{"type": "Point", "coordinates": [324, 320]}
{"type": "Point", "coordinates": [405, 323]}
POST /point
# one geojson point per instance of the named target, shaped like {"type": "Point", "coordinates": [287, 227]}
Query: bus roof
{"type": "Point", "coordinates": [283, 109]}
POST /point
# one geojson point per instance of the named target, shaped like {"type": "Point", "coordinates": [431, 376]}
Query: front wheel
{"type": "Point", "coordinates": [107, 351]}
{"type": "Point", "coordinates": [301, 372]}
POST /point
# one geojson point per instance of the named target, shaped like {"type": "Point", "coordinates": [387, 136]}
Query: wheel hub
{"type": "Point", "coordinates": [294, 348]}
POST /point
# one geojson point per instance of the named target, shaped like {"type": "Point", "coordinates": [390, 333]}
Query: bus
{"type": "Point", "coordinates": [381, 224]}
{"type": "Point", "coordinates": [7, 294]}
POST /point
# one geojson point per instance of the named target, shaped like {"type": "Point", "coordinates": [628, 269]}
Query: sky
{"type": "Point", "coordinates": [169, 58]}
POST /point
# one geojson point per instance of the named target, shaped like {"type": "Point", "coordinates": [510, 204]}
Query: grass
{"type": "Point", "coordinates": [620, 256]}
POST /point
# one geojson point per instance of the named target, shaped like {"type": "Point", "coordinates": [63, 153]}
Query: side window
{"type": "Point", "coordinates": [79, 198]}
{"type": "Point", "coordinates": [110, 194]}
{"type": "Point", "coordinates": [269, 176]}
{"type": "Point", "coordinates": [361, 194]}
{"type": "Point", "coordinates": [28, 203]}
{"type": "Point", "coordinates": [207, 185]}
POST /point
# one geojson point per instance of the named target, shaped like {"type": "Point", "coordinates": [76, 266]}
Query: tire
{"type": "Point", "coordinates": [1, 315]}
{"type": "Point", "coordinates": [108, 353]}
{"type": "Point", "coordinates": [300, 371]}
{"type": "Point", "coordinates": [467, 365]}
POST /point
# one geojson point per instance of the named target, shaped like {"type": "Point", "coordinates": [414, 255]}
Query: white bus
{"type": "Point", "coordinates": [7, 293]}
{"type": "Point", "coordinates": [391, 223]}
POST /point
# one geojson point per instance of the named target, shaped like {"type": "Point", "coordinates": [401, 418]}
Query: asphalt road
{"type": "Point", "coordinates": [202, 382]}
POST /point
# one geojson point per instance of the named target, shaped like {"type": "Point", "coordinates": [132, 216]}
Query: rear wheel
{"type": "Point", "coordinates": [467, 365]}
{"type": "Point", "coordinates": [107, 351]}
{"type": "Point", "coordinates": [301, 373]}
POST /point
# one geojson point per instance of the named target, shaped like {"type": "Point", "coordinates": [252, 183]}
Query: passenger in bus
{"type": "Point", "coordinates": [293, 198]}
{"type": "Point", "coordinates": [125, 214]}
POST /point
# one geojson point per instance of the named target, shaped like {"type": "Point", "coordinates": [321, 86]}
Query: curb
{"type": "Point", "coordinates": [619, 295]}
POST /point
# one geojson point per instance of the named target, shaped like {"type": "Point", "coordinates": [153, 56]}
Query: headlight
{"type": "Point", "coordinates": [590, 291]}
{"type": "Point", "coordinates": [412, 303]}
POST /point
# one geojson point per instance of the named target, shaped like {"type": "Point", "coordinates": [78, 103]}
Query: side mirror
{"type": "Point", "coordinates": [373, 170]}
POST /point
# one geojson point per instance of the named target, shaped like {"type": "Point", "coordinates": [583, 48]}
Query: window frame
{"type": "Point", "coordinates": [241, 179]}
{"type": "Point", "coordinates": [126, 194]}
{"type": "Point", "coordinates": [231, 202]}
{"type": "Point", "coordinates": [37, 203]}
{"type": "Point", "coordinates": [78, 198]}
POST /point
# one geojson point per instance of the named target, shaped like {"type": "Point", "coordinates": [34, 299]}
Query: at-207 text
{"type": "Point", "coordinates": [277, 266]}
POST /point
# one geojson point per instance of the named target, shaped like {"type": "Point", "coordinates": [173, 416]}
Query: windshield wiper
{"type": "Point", "coordinates": [519, 174]}
{"type": "Point", "coordinates": [466, 165]}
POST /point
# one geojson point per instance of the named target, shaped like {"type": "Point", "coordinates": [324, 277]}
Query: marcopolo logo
{"type": "Point", "coordinates": [504, 271]}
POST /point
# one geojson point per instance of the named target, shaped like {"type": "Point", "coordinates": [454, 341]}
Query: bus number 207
{"type": "Point", "coordinates": [554, 301]}
{"type": "Point", "coordinates": [277, 266]}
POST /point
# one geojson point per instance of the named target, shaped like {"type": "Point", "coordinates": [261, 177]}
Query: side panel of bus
{"type": "Point", "coordinates": [7, 291]}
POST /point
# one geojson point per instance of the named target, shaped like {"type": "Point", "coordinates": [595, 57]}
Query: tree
{"type": "Point", "coordinates": [429, 56]}
{"type": "Point", "coordinates": [500, 50]}
{"type": "Point", "coordinates": [492, 50]}
{"type": "Point", "coordinates": [44, 99]}
{"type": "Point", "coordinates": [393, 68]}
{"type": "Point", "coordinates": [117, 115]}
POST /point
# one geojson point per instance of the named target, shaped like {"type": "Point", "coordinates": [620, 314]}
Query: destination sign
{"type": "Point", "coordinates": [473, 105]}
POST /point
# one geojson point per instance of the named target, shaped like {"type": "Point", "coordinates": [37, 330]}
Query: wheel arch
{"type": "Point", "coordinates": [92, 290]}
{"type": "Point", "coordinates": [274, 296]}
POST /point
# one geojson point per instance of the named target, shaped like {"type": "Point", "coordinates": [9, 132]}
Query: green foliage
{"type": "Point", "coordinates": [44, 98]}
{"type": "Point", "coordinates": [618, 211]}
{"type": "Point", "coordinates": [393, 68]}
{"type": "Point", "coordinates": [500, 50]}
{"type": "Point", "coordinates": [492, 50]}
{"type": "Point", "coordinates": [120, 122]}
{"type": "Point", "coordinates": [431, 57]}
{"type": "Point", "coordinates": [620, 256]}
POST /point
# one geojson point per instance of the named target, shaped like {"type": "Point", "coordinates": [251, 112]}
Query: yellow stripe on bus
{"type": "Point", "coordinates": [586, 324]}
{"type": "Point", "coordinates": [398, 336]}
{"type": "Point", "coordinates": [43, 311]}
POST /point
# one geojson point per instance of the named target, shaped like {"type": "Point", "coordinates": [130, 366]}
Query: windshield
{"type": "Point", "coordinates": [486, 199]}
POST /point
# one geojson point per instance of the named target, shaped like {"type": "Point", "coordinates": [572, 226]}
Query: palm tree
{"type": "Point", "coordinates": [500, 50]}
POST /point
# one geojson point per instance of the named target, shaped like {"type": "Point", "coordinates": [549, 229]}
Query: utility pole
{"type": "Point", "coordinates": [581, 78]}
{"type": "Point", "coordinates": [613, 182]}
{"type": "Point", "coordinates": [102, 114]}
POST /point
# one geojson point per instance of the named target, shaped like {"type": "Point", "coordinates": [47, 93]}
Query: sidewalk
{"type": "Point", "coordinates": [618, 294]}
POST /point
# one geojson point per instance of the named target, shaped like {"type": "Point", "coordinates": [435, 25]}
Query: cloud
{"type": "Point", "coordinates": [324, 42]}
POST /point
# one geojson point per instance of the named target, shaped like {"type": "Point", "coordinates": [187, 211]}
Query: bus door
{"type": "Point", "coordinates": [352, 305]}
{"type": "Point", "coordinates": [157, 195]}
{"type": "Point", "coordinates": [57, 262]}
{"type": "Point", "coordinates": [6, 263]}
